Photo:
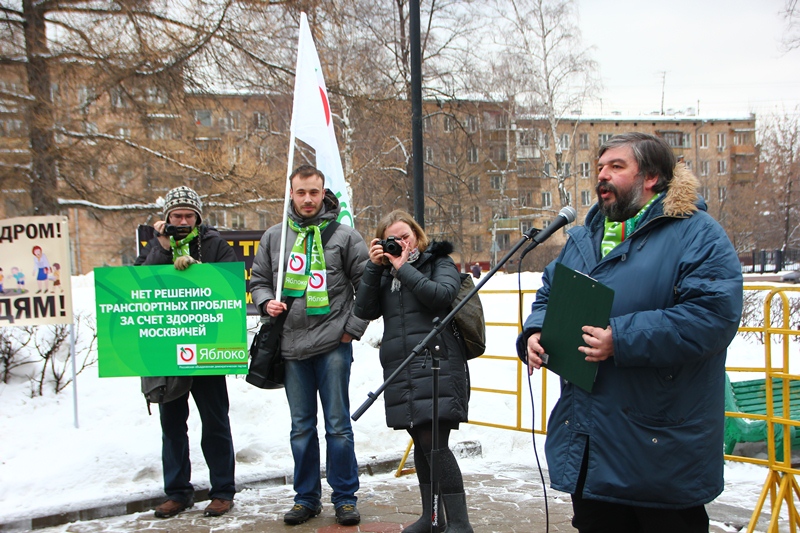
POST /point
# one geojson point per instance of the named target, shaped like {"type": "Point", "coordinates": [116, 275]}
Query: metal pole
{"type": "Point", "coordinates": [74, 373]}
{"type": "Point", "coordinates": [416, 112]}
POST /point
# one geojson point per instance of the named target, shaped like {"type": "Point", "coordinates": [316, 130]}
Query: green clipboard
{"type": "Point", "coordinates": [576, 300]}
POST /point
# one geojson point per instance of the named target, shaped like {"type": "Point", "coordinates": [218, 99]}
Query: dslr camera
{"type": "Point", "coordinates": [180, 232]}
{"type": "Point", "coordinates": [391, 246]}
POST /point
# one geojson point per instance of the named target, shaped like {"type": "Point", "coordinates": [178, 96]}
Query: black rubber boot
{"type": "Point", "coordinates": [456, 508]}
{"type": "Point", "coordinates": [423, 525]}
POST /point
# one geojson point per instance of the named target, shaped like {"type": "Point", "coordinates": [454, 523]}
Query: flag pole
{"type": "Point", "coordinates": [284, 225]}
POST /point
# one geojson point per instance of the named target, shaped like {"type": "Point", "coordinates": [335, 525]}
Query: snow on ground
{"type": "Point", "coordinates": [48, 466]}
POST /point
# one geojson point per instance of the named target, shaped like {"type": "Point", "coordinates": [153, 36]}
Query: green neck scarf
{"type": "Point", "coordinates": [181, 247]}
{"type": "Point", "coordinates": [616, 232]}
{"type": "Point", "coordinates": [306, 269]}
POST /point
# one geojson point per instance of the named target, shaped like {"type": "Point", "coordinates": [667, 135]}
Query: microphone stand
{"type": "Point", "coordinates": [425, 346]}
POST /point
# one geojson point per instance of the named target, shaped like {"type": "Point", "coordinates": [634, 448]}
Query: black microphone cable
{"type": "Point", "coordinates": [533, 409]}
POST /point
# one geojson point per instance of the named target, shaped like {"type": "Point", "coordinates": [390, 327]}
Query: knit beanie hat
{"type": "Point", "coordinates": [183, 198]}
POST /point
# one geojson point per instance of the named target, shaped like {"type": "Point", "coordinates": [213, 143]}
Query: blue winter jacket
{"type": "Point", "coordinates": [654, 421]}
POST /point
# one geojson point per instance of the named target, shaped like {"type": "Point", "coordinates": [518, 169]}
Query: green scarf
{"type": "Point", "coordinates": [181, 247]}
{"type": "Point", "coordinates": [306, 269]}
{"type": "Point", "coordinates": [616, 232]}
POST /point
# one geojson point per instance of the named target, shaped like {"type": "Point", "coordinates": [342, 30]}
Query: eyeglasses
{"type": "Point", "coordinates": [187, 217]}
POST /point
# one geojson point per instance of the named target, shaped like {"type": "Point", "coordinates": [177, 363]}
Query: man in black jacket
{"type": "Point", "coordinates": [184, 243]}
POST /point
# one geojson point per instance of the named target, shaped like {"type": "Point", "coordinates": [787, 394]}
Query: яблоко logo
{"type": "Point", "coordinates": [187, 354]}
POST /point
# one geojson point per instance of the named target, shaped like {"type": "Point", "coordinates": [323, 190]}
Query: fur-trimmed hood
{"type": "Point", "coordinates": [440, 248]}
{"type": "Point", "coordinates": [682, 198]}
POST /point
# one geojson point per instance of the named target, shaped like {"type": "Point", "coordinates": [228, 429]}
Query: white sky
{"type": "Point", "coordinates": [725, 53]}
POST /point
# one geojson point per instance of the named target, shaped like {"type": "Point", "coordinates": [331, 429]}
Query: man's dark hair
{"type": "Point", "coordinates": [653, 155]}
{"type": "Point", "coordinates": [306, 171]}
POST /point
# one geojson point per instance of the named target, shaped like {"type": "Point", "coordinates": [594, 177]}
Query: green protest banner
{"type": "Point", "coordinates": [158, 321]}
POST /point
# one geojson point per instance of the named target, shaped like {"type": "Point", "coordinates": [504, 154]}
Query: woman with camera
{"type": "Point", "coordinates": [410, 283]}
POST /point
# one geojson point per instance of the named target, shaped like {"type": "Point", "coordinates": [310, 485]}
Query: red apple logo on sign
{"type": "Point", "coordinates": [187, 354]}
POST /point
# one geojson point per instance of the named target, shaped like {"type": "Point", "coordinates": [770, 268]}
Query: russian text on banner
{"type": "Point", "coordinates": [158, 321]}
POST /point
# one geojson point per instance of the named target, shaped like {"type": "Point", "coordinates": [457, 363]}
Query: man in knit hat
{"type": "Point", "coordinates": [184, 241]}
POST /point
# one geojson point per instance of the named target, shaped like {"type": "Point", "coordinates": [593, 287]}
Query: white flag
{"type": "Point", "coordinates": [312, 122]}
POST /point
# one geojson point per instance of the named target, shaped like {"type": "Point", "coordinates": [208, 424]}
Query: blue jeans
{"type": "Point", "coordinates": [328, 374]}
{"type": "Point", "coordinates": [211, 397]}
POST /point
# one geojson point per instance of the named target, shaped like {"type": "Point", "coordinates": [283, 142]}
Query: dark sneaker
{"type": "Point", "coordinates": [347, 515]}
{"type": "Point", "coordinates": [218, 507]}
{"type": "Point", "coordinates": [170, 508]}
{"type": "Point", "coordinates": [300, 513]}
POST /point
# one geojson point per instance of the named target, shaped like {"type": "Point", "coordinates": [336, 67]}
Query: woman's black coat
{"type": "Point", "coordinates": [428, 288]}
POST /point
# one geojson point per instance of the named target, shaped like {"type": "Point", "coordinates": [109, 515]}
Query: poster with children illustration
{"type": "Point", "coordinates": [34, 252]}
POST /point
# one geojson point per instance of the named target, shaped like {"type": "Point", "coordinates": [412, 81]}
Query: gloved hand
{"type": "Point", "coordinates": [184, 262]}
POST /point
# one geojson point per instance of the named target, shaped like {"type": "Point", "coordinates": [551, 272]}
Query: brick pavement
{"type": "Point", "coordinates": [508, 501]}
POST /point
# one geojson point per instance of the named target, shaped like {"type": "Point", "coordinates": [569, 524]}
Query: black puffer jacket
{"type": "Point", "coordinates": [428, 288]}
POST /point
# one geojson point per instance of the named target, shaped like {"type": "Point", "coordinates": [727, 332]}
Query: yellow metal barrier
{"type": "Point", "coordinates": [781, 486]}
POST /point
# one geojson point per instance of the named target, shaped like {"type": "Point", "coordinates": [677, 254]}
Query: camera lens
{"type": "Point", "coordinates": [392, 247]}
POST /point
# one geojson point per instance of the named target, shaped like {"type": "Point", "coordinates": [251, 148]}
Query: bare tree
{"type": "Point", "coordinates": [106, 85]}
{"type": "Point", "coordinates": [551, 71]}
{"type": "Point", "coordinates": [791, 14]}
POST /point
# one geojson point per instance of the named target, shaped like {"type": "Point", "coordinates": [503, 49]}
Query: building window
{"type": "Point", "coordinates": [547, 199]}
{"type": "Point", "coordinates": [586, 198]}
{"type": "Point", "coordinates": [722, 166]}
{"type": "Point", "coordinates": [449, 123]}
{"type": "Point", "coordinates": [430, 215]}
{"type": "Point", "coordinates": [504, 241]}
{"type": "Point", "coordinates": [545, 141]}
{"type": "Point", "coordinates": [450, 156]}
{"type": "Point", "coordinates": [524, 225]}
{"type": "Point", "coordinates": [583, 141]}
{"type": "Point", "coordinates": [604, 137]}
{"type": "Point", "coordinates": [235, 155]}
{"type": "Point", "coordinates": [159, 131]}
{"type": "Point", "coordinates": [455, 213]}
{"type": "Point", "coordinates": [567, 169]}
{"type": "Point", "coordinates": [721, 141]}
{"type": "Point", "coordinates": [429, 154]}
{"type": "Point", "coordinates": [260, 121]}
{"type": "Point", "coordinates": [496, 182]}
{"type": "Point", "coordinates": [688, 163]}
{"type": "Point", "coordinates": [547, 168]}
{"type": "Point", "coordinates": [704, 192]}
{"type": "Point", "coordinates": [676, 139]}
{"type": "Point", "coordinates": [472, 154]}
{"type": "Point", "coordinates": [704, 168]}
{"type": "Point", "coordinates": [262, 154]}
{"type": "Point", "coordinates": [474, 184]}
{"type": "Point", "coordinates": [119, 100]}
{"type": "Point", "coordinates": [499, 152]}
{"type": "Point", "coordinates": [212, 219]}
{"type": "Point", "coordinates": [475, 214]}
{"type": "Point", "coordinates": [155, 95]}
{"type": "Point", "coordinates": [427, 123]}
{"type": "Point", "coordinates": [722, 193]}
{"type": "Point", "coordinates": [500, 121]}
{"type": "Point", "coordinates": [525, 199]}
{"type": "Point", "coordinates": [702, 140]}
{"type": "Point", "coordinates": [565, 141]}
{"type": "Point", "coordinates": [237, 221]}
{"type": "Point", "coordinates": [569, 198]}
{"type": "Point", "coordinates": [586, 170]}
{"type": "Point", "coordinates": [741, 138]}
{"type": "Point", "coordinates": [477, 243]}
{"type": "Point", "coordinates": [202, 117]}
{"type": "Point", "coordinates": [472, 124]}
{"type": "Point", "coordinates": [230, 121]}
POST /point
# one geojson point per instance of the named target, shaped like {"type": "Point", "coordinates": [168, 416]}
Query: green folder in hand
{"type": "Point", "coordinates": [576, 300]}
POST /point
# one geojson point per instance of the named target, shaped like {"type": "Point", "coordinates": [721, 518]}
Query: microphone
{"type": "Point", "coordinates": [565, 216]}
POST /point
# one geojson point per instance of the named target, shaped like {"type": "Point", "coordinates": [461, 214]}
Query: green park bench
{"type": "Point", "coordinates": [751, 397]}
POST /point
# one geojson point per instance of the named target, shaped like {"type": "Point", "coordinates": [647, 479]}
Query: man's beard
{"type": "Point", "coordinates": [625, 205]}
